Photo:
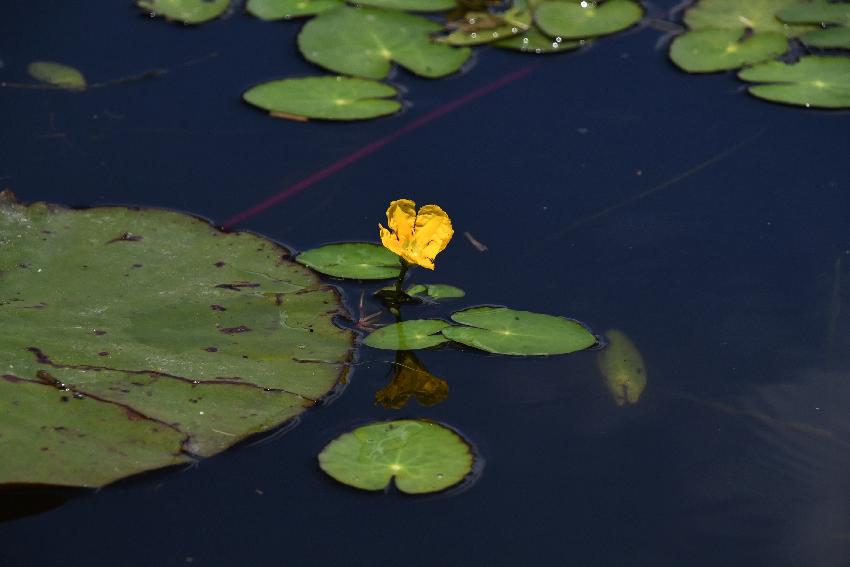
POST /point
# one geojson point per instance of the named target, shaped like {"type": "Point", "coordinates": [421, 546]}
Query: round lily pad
{"type": "Point", "coordinates": [505, 331]}
{"type": "Point", "coordinates": [533, 41]}
{"type": "Point", "coordinates": [831, 38]}
{"type": "Point", "coordinates": [814, 81]}
{"type": "Point", "coordinates": [326, 98]}
{"type": "Point", "coordinates": [287, 9]}
{"type": "Point", "coordinates": [185, 11]}
{"type": "Point", "coordinates": [366, 41]}
{"type": "Point", "coordinates": [57, 74]}
{"type": "Point", "coordinates": [756, 15]}
{"type": "Point", "coordinates": [408, 335]}
{"type": "Point", "coordinates": [421, 456]}
{"type": "Point", "coordinates": [352, 260]}
{"type": "Point", "coordinates": [135, 339]}
{"type": "Point", "coordinates": [571, 19]}
{"type": "Point", "coordinates": [816, 12]}
{"type": "Point", "coordinates": [708, 51]}
{"type": "Point", "coordinates": [411, 5]}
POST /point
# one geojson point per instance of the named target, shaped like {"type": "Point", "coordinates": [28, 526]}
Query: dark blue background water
{"type": "Point", "coordinates": [723, 279]}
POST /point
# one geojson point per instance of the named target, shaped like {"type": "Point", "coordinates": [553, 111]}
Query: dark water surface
{"type": "Point", "coordinates": [724, 279]}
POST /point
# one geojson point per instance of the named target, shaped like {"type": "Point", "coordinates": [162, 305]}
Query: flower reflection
{"type": "Point", "coordinates": [411, 379]}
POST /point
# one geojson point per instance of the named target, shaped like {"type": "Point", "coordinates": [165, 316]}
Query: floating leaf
{"type": "Point", "coordinates": [478, 28]}
{"type": "Point", "coordinates": [707, 51]}
{"type": "Point", "coordinates": [422, 456]}
{"type": "Point", "coordinates": [287, 9]}
{"type": "Point", "coordinates": [817, 81]}
{"type": "Point", "coordinates": [757, 15]}
{"type": "Point", "coordinates": [366, 41]}
{"type": "Point", "coordinates": [410, 378]}
{"type": "Point", "coordinates": [532, 41]}
{"type": "Point", "coordinates": [436, 291]}
{"type": "Point", "coordinates": [57, 74]}
{"type": "Point", "coordinates": [408, 335]}
{"type": "Point", "coordinates": [830, 38]}
{"type": "Point", "coordinates": [327, 98]}
{"type": "Point", "coordinates": [186, 11]}
{"type": "Point", "coordinates": [570, 19]}
{"type": "Point", "coordinates": [622, 367]}
{"type": "Point", "coordinates": [129, 336]}
{"type": "Point", "coordinates": [816, 12]}
{"type": "Point", "coordinates": [505, 331]}
{"type": "Point", "coordinates": [411, 5]}
{"type": "Point", "coordinates": [352, 260]}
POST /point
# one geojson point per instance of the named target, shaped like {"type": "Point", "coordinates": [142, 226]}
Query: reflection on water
{"type": "Point", "coordinates": [411, 379]}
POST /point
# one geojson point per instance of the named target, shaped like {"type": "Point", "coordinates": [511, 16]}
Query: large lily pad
{"type": "Point", "coordinates": [505, 331]}
{"type": "Point", "coordinates": [571, 19]}
{"type": "Point", "coordinates": [816, 12]}
{"type": "Point", "coordinates": [837, 37]}
{"type": "Point", "coordinates": [140, 338]}
{"type": "Point", "coordinates": [757, 15]}
{"type": "Point", "coordinates": [185, 11]}
{"type": "Point", "coordinates": [408, 335]}
{"type": "Point", "coordinates": [353, 260]}
{"type": "Point", "coordinates": [57, 74]}
{"type": "Point", "coordinates": [366, 41]}
{"type": "Point", "coordinates": [814, 81]}
{"type": "Point", "coordinates": [422, 456]}
{"type": "Point", "coordinates": [287, 9]}
{"type": "Point", "coordinates": [326, 98]}
{"type": "Point", "coordinates": [708, 51]}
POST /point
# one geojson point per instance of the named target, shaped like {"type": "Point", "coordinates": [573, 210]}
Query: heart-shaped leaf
{"type": "Point", "coordinates": [756, 15]}
{"type": "Point", "coordinates": [708, 51]}
{"type": "Point", "coordinates": [353, 260]}
{"type": "Point", "coordinates": [569, 19]}
{"type": "Point", "coordinates": [814, 81]}
{"type": "Point", "coordinates": [185, 11]}
{"type": "Point", "coordinates": [408, 335]}
{"type": "Point", "coordinates": [831, 38]}
{"type": "Point", "coordinates": [57, 74]}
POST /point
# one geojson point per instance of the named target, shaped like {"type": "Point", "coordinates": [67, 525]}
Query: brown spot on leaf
{"type": "Point", "coordinates": [216, 307]}
{"type": "Point", "coordinates": [126, 237]}
{"type": "Point", "coordinates": [98, 332]}
{"type": "Point", "coordinates": [233, 330]}
{"type": "Point", "coordinates": [219, 264]}
{"type": "Point", "coordinates": [103, 353]}
{"type": "Point", "coordinates": [237, 286]}
{"type": "Point", "coordinates": [211, 349]}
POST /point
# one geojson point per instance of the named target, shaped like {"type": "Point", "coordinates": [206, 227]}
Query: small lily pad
{"type": "Point", "coordinates": [756, 15]}
{"type": "Point", "coordinates": [816, 12]}
{"type": "Point", "coordinates": [185, 11]}
{"type": "Point", "coordinates": [352, 260]}
{"type": "Point", "coordinates": [708, 51]}
{"type": "Point", "coordinates": [570, 19]}
{"type": "Point", "coordinates": [326, 98]}
{"type": "Point", "coordinates": [814, 81]}
{"type": "Point", "coordinates": [533, 41]}
{"type": "Point", "coordinates": [422, 456]}
{"type": "Point", "coordinates": [436, 291]}
{"type": "Point", "coordinates": [505, 331]}
{"type": "Point", "coordinates": [366, 41]}
{"type": "Point", "coordinates": [831, 38]}
{"type": "Point", "coordinates": [484, 27]}
{"type": "Point", "coordinates": [411, 5]}
{"type": "Point", "coordinates": [408, 335]}
{"type": "Point", "coordinates": [57, 74]}
{"type": "Point", "coordinates": [287, 9]}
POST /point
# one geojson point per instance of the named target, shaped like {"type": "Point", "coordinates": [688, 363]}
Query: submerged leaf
{"type": "Point", "coordinates": [186, 11]}
{"type": "Point", "coordinates": [408, 335]}
{"type": "Point", "coordinates": [287, 9]}
{"type": "Point", "coordinates": [814, 81]}
{"type": "Point", "coordinates": [422, 456]}
{"type": "Point", "coordinates": [352, 260]}
{"type": "Point", "coordinates": [57, 74]}
{"type": "Point", "coordinates": [326, 98]}
{"type": "Point", "coordinates": [622, 367]}
{"type": "Point", "coordinates": [756, 15]}
{"type": "Point", "coordinates": [708, 51]}
{"type": "Point", "coordinates": [571, 19]}
{"type": "Point", "coordinates": [366, 41]}
{"type": "Point", "coordinates": [411, 379]}
{"type": "Point", "coordinates": [505, 331]}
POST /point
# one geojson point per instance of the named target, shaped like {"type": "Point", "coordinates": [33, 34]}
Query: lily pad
{"type": "Point", "coordinates": [326, 98]}
{"type": "Point", "coordinates": [814, 81]}
{"type": "Point", "coordinates": [831, 38]}
{"type": "Point", "coordinates": [622, 366]}
{"type": "Point", "coordinates": [366, 41]}
{"type": "Point", "coordinates": [436, 291]}
{"type": "Point", "coordinates": [533, 41]}
{"type": "Point", "coordinates": [185, 11]}
{"type": "Point", "coordinates": [57, 74]}
{"type": "Point", "coordinates": [421, 456]}
{"type": "Point", "coordinates": [505, 331]}
{"type": "Point", "coordinates": [708, 51]}
{"type": "Point", "coordinates": [411, 5]}
{"type": "Point", "coordinates": [408, 335]}
{"type": "Point", "coordinates": [352, 260]}
{"type": "Point", "coordinates": [288, 9]}
{"type": "Point", "coordinates": [571, 19]}
{"type": "Point", "coordinates": [136, 339]}
{"type": "Point", "coordinates": [756, 15]}
{"type": "Point", "coordinates": [483, 27]}
{"type": "Point", "coordinates": [816, 12]}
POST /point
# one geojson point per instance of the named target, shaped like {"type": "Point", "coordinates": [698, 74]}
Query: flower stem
{"type": "Point", "coordinates": [400, 281]}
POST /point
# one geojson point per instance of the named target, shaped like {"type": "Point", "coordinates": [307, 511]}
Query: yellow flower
{"type": "Point", "coordinates": [417, 238]}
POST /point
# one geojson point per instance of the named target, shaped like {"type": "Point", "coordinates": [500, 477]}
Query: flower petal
{"type": "Point", "coordinates": [401, 216]}
{"type": "Point", "coordinates": [390, 242]}
{"type": "Point", "coordinates": [432, 232]}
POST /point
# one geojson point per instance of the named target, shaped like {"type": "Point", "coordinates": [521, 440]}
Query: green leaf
{"type": "Point", "coordinates": [352, 260]}
{"type": "Point", "coordinates": [484, 27]}
{"type": "Point", "coordinates": [366, 41]}
{"type": "Point", "coordinates": [129, 336]}
{"type": "Point", "coordinates": [411, 5]}
{"type": "Point", "coordinates": [436, 291]}
{"type": "Point", "coordinates": [185, 11]}
{"type": "Point", "coordinates": [830, 38]}
{"type": "Point", "coordinates": [622, 367]}
{"type": "Point", "coordinates": [757, 15]}
{"type": "Point", "coordinates": [287, 9]}
{"type": "Point", "coordinates": [505, 331]}
{"type": "Point", "coordinates": [327, 98]}
{"type": "Point", "coordinates": [816, 12]}
{"type": "Point", "coordinates": [57, 74]}
{"type": "Point", "coordinates": [708, 51]}
{"type": "Point", "coordinates": [408, 335]}
{"type": "Point", "coordinates": [422, 456]}
{"type": "Point", "coordinates": [814, 81]}
{"type": "Point", "coordinates": [533, 41]}
{"type": "Point", "coordinates": [570, 19]}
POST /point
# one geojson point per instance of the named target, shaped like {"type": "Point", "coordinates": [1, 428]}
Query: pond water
{"type": "Point", "coordinates": [731, 274]}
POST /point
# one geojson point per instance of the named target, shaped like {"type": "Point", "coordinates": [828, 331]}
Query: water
{"type": "Point", "coordinates": [724, 277]}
